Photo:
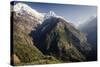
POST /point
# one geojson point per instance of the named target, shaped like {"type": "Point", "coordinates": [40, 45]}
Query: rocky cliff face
{"type": "Point", "coordinates": [53, 40]}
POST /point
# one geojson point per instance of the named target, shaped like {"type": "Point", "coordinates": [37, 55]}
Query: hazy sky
{"type": "Point", "coordinates": [73, 13]}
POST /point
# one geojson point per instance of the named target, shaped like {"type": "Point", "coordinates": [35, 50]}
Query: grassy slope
{"type": "Point", "coordinates": [26, 51]}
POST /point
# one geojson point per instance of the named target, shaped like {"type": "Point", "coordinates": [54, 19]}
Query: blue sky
{"type": "Point", "coordinates": [75, 14]}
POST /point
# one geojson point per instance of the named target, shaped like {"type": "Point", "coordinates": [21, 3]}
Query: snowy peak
{"type": "Point", "coordinates": [49, 15]}
{"type": "Point", "coordinates": [24, 8]}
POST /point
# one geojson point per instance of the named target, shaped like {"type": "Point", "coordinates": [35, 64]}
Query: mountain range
{"type": "Point", "coordinates": [45, 38]}
{"type": "Point", "coordinates": [90, 29]}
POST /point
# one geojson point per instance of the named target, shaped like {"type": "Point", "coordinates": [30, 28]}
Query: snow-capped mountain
{"type": "Point", "coordinates": [23, 9]}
